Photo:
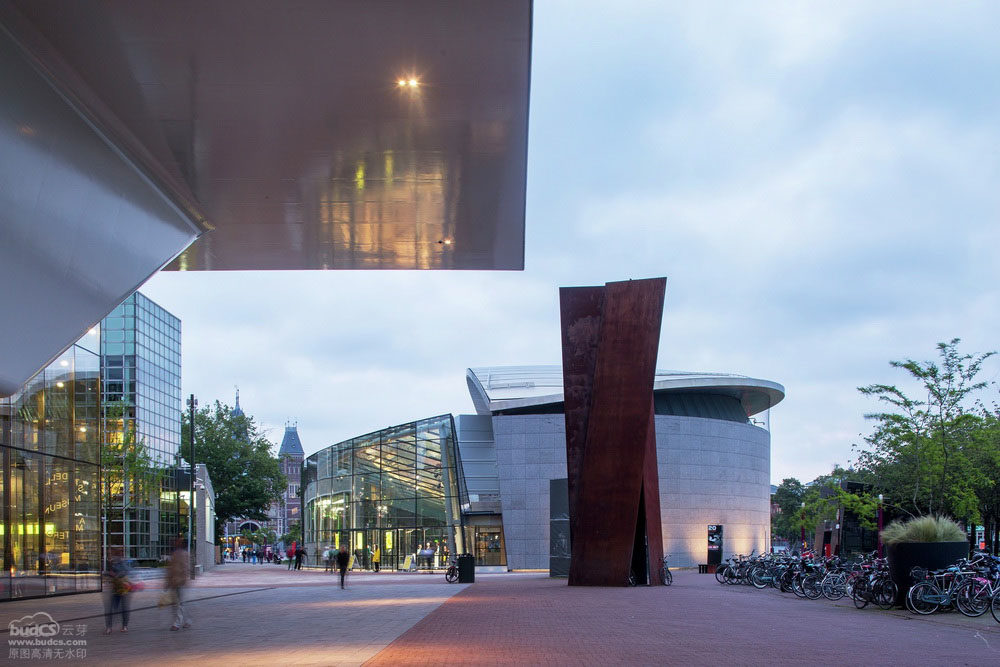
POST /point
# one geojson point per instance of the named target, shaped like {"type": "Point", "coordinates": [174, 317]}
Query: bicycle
{"type": "Point", "coordinates": [665, 574]}
{"type": "Point", "coordinates": [451, 574]}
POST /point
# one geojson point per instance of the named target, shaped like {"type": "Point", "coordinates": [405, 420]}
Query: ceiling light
{"type": "Point", "coordinates": [60, 385]}
{"type": "Point", "coordinates": [413, 83]}
{"type": "Point", "coordinates": [401, 83]}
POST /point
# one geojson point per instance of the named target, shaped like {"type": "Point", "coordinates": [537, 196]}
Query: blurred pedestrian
{"type": "Point", "coordinates": [376, 558]}
{"type": "Point", "coordinates": [343, 560]}
{"type": "Point", "coordinates": [120, 587]}
{"type": "Point", "coordinates": [178, 573]}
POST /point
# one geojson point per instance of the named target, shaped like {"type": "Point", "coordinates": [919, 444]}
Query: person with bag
{"type": "Point", "coordinates": [177, 578]}
{"type": "Point", "coordinates": [121, 587]}
{"type": "Point", "coordinates": [343, 560]}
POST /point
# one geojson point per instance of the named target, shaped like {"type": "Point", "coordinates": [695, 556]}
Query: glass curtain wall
{"type": "Point", "coordinates": [395, 490]}
{"type": "Point", "coordinates": [50, 443]}
{"type": "Point", "coordinates": [141, 348]}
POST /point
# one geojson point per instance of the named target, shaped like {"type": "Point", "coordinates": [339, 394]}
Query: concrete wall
{"type": "Point", "coordinates": [711, 471]}
{"type": "Point", "coordinates": [531, 450]}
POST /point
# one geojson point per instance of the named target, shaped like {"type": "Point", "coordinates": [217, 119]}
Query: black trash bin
{"type": "Point", "coordinates": [466, 569]}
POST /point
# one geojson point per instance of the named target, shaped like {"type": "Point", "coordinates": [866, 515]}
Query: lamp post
{"type": "Point", "coordinates": [192, 404]}
{"type": "Point", "coordinates": [880, 525]}
{"type": "Point", "coordinates": [803, 536]}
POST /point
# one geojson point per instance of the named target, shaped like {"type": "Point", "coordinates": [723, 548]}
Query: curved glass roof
{"type": "Point", "coordinates": [497, 388]}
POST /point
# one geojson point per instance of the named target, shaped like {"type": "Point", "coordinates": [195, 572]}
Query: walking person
{"type": "Point", "coordinates": [177, 579]}
{"type": "Point", "coordinates": [118, 600]}
{"type": "Point", "coordinates": [343, 560]}
{"type": "Point", "coordinates": [376, 558]}
{"type": "Point", "coordinates": [300, 553]}
{"type": "Point", "coordinates": [291, 555]}
{"type": "Point", "coordinates": [327, 560]}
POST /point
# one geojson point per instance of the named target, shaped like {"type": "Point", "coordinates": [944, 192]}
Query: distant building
{"type": "Point", "coordinates": [141, 390]}
{"type": "Point", "coordinates": [288, 510]}
{"type": "Point", "coordinates": [431, 488]}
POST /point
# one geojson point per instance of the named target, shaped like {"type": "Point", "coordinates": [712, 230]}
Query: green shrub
{"type": "Point", "coordinates": [923, 529]}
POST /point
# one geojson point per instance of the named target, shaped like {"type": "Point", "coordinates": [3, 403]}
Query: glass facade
{"type": "Point", "coordinates": [49, 439]}
{"type": "Point", "coordinates": [141, 354]}
{"type": "Point", "coordinates": [396, 489]}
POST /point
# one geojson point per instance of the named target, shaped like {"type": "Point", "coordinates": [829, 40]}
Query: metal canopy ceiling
{"type": "Point", "coordinates": [277, 131]}
{"type": "Point", "coordinates": [283, 125]}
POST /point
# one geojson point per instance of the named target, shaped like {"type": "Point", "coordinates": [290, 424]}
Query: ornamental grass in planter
{"type": "Point", "coordinates": [923, 529]}
{"type": "Point", "coordinates": [932, 542]}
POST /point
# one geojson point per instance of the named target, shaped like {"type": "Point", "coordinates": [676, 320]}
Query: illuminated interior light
{"type": "Point", "coordinates": [60, 385]}
{"type": "Point", "coordinates": [413, 83]}
{"type": "Point", "coordinates": [401, 83]}
{"type": "Point", "coordinates": [93, 331]}
{"type": "Point", "coordinates": [64, 363]}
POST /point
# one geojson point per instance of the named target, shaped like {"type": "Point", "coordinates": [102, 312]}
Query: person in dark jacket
{"type": "Point", "coordinates": [343, 560]}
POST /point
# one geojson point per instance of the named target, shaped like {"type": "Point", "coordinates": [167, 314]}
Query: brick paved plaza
{"type": "Point", "coordinates": [266, 615]}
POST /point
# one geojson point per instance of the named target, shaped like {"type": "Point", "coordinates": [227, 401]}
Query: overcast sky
{"type": "Point", "coordinates": [819, 184]}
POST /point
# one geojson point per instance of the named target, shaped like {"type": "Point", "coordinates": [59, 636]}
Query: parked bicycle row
{"type": "Point", "coordinates": [970, 586]}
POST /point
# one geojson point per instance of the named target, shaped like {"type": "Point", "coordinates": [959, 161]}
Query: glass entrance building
{"type": "Point", "coordinates": [49, 440]}
{"type": "Point", "coordinates": [396, 490]}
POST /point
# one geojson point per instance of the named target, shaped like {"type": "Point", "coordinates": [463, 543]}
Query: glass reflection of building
{"type": "Point", "coordinates": [49, 438]}
{"type": "Point", "coordinates": [141, 349]}
{"type": "Point", "coordinates": [395, 489]}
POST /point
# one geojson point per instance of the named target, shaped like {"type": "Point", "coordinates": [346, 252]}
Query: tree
{"type": "Point", "coordinates": [294, 534]}
{"type": "Point", "coordinates": [788, 498]}
{"type": "Point", "coordinates": [245, 476]}
{"type": "Point", "coordinates": [130, 477]}
{"type": "Point", "coordinates": [921, 445]}
{"type": "Point", "coordinates": [929, 455]}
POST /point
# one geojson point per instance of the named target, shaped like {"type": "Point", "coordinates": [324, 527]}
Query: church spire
{"type": "Point", "coordinates": [237, 411]}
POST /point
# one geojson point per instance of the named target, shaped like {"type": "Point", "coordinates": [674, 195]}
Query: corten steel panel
{"type": "Point", "coordinates": [580, 310]}
{"type": "Point", "coordinates": [651, 496]}
{"type": "Point", "coordinates": [615, 460]}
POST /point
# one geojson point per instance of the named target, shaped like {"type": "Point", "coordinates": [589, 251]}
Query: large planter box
{"type": "Point", "coordinates": [904, 556]}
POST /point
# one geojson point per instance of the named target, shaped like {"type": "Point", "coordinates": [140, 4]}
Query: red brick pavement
{"type": "Point", "coordinates": [537, 620]}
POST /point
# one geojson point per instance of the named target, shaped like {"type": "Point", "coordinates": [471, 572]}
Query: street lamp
{"type": "Point", "coordinates": [880, 525]}
{"type": "Point", "coordinates": [192, 404]}
{"type": "Point", "coordinates": [803, 536]}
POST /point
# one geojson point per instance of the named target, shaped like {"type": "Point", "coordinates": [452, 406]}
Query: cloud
{"type": "Point", "coordinates": [816, 181]}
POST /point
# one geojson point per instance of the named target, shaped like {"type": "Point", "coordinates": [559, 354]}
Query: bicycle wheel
{"type": "Point", "coordinates": [667, 577]}
{"type": "Point", "coordinates": [923, 598]}
{"type": "Point", "coordinates": [720, 573]}
{"type": "Point", "coordinates": [797, 585]}
{"type": "Point", "coordinates": [758, 577]}
{"type": "Point", "coordinates": [833, 587]}
{"type": "Point", "coordinates": [972, 597]}
{"type": "Point", "coordinates": [451, 576]}
{"type": "Point", "coordinates": [859, 594]}
{"type": "Point", "coordinates": [885, 593]}
{"type": "Point", "coordinates": [995, 606]}
{"type": "Point", "coordinates": [812, 586]}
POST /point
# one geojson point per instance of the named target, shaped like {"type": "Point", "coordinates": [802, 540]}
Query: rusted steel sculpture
{"type": "Point", "coordinates": [610, 336]}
